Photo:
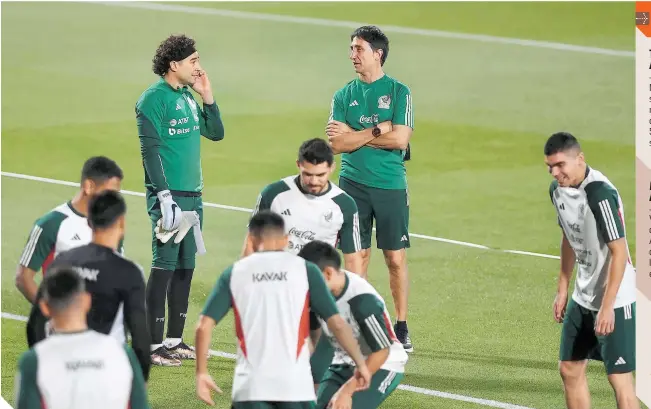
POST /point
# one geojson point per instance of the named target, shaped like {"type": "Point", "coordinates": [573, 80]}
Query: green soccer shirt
{"type": "Point", "coordinates": [170, 125]}
{"type": "Point", "coordinates": [361, 106]}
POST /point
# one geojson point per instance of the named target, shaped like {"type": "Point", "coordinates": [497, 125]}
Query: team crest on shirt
{"type": "Point", "coordinates": [384, 102]}
{"type": "Point", "coordinates": [328, 216]}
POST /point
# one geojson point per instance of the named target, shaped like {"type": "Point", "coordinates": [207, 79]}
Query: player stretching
{"type": "Point", "coordinates": [363, 308]}
{"type": "Point", "coordinates": [371, 122]}
{"type": "Point", "coordinates": [271, 293]}
{"type": "Point", "coordinates": [65, 226]}
{"type": "Point", "coordinates": [599, 320]}
{"type": "Point", "coordinates": [78, 368]}
{"type": "Point", "coordinates": [312, 206]}
{"type": "Point", "coordinates": [170, 126]}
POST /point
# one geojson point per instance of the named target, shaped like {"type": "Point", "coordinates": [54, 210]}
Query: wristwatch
{"type": "Point", "coordinates": [376, 131]}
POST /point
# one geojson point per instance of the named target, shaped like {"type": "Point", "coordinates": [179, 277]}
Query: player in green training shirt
{"type": "Point", "coordinates": [170, 126]}
{"type": "Point", "coordinates": [371, 122]}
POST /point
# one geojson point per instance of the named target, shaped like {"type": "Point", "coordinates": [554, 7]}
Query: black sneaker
{"type": "Point", "coordinates": [403, 337]}
{"type": "Point", "coordinates": [162, 357]}
{"type": "Point", "coordinates": [182, 351]}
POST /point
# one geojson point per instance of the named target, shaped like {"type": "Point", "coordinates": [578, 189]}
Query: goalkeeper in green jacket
{"type": "Point", "coordinates": [170, 125]}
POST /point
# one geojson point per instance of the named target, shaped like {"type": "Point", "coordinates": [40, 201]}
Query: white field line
{"type": "Point", "coordinates": [408, 388]}
{"type": "Point", "coordinates": [243, 209]}
{"type": "Point", "coordinates": [387, 28]}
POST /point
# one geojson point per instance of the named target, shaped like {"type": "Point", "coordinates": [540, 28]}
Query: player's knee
{"type": "Point", "coordinates": [622, 383]}
{"type": "Point", "coordinates": [158, 280]}
{"type": "Point", "coordinates": [571, 371]}
{"type": "Point", "coordinates": [395, 260]}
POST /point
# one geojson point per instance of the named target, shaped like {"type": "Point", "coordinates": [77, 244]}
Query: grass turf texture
{"type": "Point", "coordinates": [481, 320]}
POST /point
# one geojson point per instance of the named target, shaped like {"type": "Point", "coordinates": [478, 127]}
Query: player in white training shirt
{"type": "Point", "coordinates": [599, 319]}
{"type": "Point", "coordinates": [66, 226]}
{"type": "Point", "coordinates": [313, 207]}
{"type": "Point", "coordinates": [76, 368]}
{"type": "Point", "coordinates": [272, 293]}
{"type": "Point", "coordinates": [364, 309]}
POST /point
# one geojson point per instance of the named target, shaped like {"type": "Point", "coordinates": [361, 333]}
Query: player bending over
{"type": "Point", "coordinates": [78, 368]}
{"type": "Point", "coordinates": [599, 320]}
{"type": "Point", "coordinates": [271, 292]}
{"type": "Point", "coordinates": [364, 309]}
{"type": "Point", "coordinates": [313, 207]}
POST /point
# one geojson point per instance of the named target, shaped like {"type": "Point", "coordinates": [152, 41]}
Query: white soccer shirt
{"type": "Point", "coordinates": [365, 311]}
{"type": "Point", "coordinates": [80, 371]}
{"type": "Point", "coordinates": [592, 215]}
{"type": "Point", "coordinates": [331, 217]}
{"type": "Point", "coordinates": [271, 294]}
{"type": "Point", "coordinates": [61, 229]}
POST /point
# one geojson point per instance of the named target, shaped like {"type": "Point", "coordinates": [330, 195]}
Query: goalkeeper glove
{"type": "Point", "coordinates": [190, 221]}
{"type": "Point", "coordinates": [171, 212]}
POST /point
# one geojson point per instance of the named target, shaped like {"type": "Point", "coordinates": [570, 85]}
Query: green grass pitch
{"type": "Point", "coordinates": [481, 320]}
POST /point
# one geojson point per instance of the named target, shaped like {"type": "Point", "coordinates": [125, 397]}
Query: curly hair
{"type": "Point", "coordinates": [171, 49]}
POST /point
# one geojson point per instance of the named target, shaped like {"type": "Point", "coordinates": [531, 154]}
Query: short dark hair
{"type": "Point", "coordinates": [561, 142]}
{"type": "Point", "coordinates": [99, 169]}
{"type": "Point", "coordinates": [60, 287]}
{"type": "Point", "coordinates": [322, 254]}
{"type": "Point", "coordinates": [173, 48]}
{"type": "Point", "coordinates": [105, 208]}
{"type": "Point", "coordinates": [375, 37]}
{"type": "Point", "coordinates": [316, 151]}
{"type": "Point", "coordinates": [266, 222]}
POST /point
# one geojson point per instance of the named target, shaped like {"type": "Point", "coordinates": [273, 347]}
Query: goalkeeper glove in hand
{"type": "Point", "coordinates": [190, 221]}
{"type": "Point", "coordinates": [171, 212]}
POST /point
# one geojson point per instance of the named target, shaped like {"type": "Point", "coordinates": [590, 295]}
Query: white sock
{"type": "Point", "coordinates": [155, 347]}
{"type": "Point", "coordinates": [171, 342]}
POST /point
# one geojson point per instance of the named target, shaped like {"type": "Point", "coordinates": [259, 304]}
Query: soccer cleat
{"type": "Point", "coordinates": [162, 357]}
{"type": "Point", "coordinates": [182, 351]}
{"type": "Point", "coordinates": [403, 336]}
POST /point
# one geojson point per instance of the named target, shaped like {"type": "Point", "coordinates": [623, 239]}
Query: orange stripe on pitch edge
{"type": "Point", "coordinates": [643, 23]}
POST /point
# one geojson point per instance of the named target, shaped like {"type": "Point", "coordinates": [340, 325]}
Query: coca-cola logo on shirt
{"type": "Point", "coordinates": [302, 234]}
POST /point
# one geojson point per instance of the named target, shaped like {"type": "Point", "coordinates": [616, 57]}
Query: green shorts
{"type": "Point", "coordinates": [272, 405]}
{"type": "Point", "coordinates": [389, 208]}
{"type": "Point", "coordinates": [171, 256]}
{"type": "Point", "coordinates": [383, 383]}
{"type": "Point", "coordinates": [579, 341]}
